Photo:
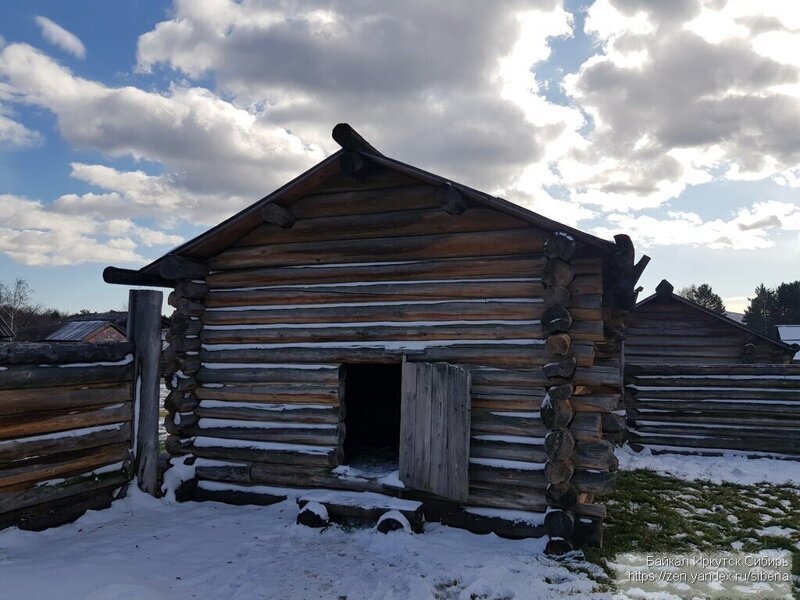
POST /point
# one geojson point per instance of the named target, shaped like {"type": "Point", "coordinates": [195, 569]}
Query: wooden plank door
{"type": "Point", "coordinates": [434, 429]}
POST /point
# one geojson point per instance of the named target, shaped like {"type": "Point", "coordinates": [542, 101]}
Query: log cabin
{"type": "Point", "coordinates": [666, 328]}
{"type": "Point", "coordinates": [382, 333]}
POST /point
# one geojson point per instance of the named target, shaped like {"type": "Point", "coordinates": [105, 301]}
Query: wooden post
{"type": "Point", "coordinates": [144, 330]}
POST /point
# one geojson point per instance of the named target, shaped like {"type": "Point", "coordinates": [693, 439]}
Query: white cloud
{"type": "Point", "coordinates": [34, 234]}
{"type": "Point", "coordinates": [750, 229]}
{"type": "Point", "coordinates": [14, 134]}
{"type": "Point", "coordinates": [60, 37]}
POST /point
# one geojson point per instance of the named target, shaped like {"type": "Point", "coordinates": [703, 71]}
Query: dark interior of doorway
{"type": "Point", "coordinates": [372, 418]}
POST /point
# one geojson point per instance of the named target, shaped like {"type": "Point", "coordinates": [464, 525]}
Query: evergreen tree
{"type": "Point", "coordinates": [704, 296]}
{"type": "Point", "coordinates": [770, 307]}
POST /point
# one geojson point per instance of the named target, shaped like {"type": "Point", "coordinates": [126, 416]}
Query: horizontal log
{"type": "Point", "coordinates": [287, 456]}
{"type": "Point", "coordinates": [17, 427]}
{"type": "Point", "coordinates": [584, 481]}
{"type": "Point", "coordinates": [594, 403]}
{"type": "Point", "coordinates": [238, 375]}
{"type": "Point", "coordinates": [23, 376]}
{"type": "Point", "coordinates": [777, 371]}
{"type": "Point", "coordinates": [38, 469]}
{"type": "Point", "coordinates": [482, 524]}
{"type": "Point", "coordinates": [191, 289]}
{"type": "Point", "coordinates": [433, 311]}
{"type": "Point", "coordinates": [20, 353]}
{"type": "Point", "coordinates": [713, 383]}
{"type": "Point", "coordinates": [379, 292]}
{"type": "Point", "coordinates": [776, 445]}
{"type": "Point", "coordinates": [382, 225]}
{"type": "Point", "coordinates": [353, 202]}
{"type": "Point", "coordinates": [312, 477]}
{"type": "Point", "coordinates": [366, 333]}
{"type": "Point", "coordinates": [30, 400]}
{"type": "Point", "coordinates": [369, 509]}
{"type": "Point", "coordinates": [377, 178]}
{"type": "Point", "coordinates": [497, 355]}
{"type": "Point", "coordinates": [290, 433]}
{"type": "Point", "coordinates": [300, 414]}
{"type": "Point", "coordinates": [720, 393]}
{"type": "Point", "coordinates": [74, 486]}
{"type": "Point", "coordinates": [504, 242]}
{"type": "Point", "coordinates": [15, 450]}
{"type": "Point", "coordinates": [179, 267]}
{"type": "Point", "coordinates": [278, 394]}
{"type": "Point", "coordinates": [61, 510]}
{"type": "Point", "coordinates": [713, 408]}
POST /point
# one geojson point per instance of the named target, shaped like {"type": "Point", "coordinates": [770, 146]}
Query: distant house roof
{"type": "Point", "coordinates": [790, 334]}
{"type": "Point", "coordinates": [734, 316]}
{"type": "Point", "coordinates": [76, 331]}
{"type": "Point", "coordinates": [5, 330]}
{"type": "Point", "coordinates": [665, 290]}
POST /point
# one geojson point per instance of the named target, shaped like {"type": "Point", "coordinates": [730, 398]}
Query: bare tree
{"type": "Point", "coordinates": [16, 304]}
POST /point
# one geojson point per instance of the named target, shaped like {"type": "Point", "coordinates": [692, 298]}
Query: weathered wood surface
{"type": "Point", "coordinates": [736, 407]}
{"type": "Point", "coordinates": [435, 429]}
{"type": "Point", "coordinates": [29, 376]}
{"type": "Point", "coordinates": [34, 400]}
{"type": "Point", "coordinates": [25, 353]}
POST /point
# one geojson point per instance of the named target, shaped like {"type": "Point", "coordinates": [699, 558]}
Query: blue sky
{"type": "Point", "coordinates": [126, 128]}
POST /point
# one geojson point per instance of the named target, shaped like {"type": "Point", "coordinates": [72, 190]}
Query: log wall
{"type": "Point", "coordinates": [65, 429]}
{"type": "Point", "coordinates": [711, 408]}
{"type": "Point", "coordinates": [370, 271]}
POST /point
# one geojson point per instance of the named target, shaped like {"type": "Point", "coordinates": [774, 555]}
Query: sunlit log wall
{"type": "Point", "coordinates": [371, 269]}
{"type": "Point", "coordinates": [65, 429]}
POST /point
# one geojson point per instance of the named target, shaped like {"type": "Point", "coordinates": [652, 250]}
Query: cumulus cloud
{"type": "Point", "coordinates": [424, 82]}
{"type": "Point", "coordinates": [60, 37]}
{"type": "Point", "coordinates": [751, 228]}
{"type": "Point", "coordinates": [682, 92]}
{"type": "Point", "coordinates": [34, 234]}
{"type": "Point", "coordinates": [14, 134]}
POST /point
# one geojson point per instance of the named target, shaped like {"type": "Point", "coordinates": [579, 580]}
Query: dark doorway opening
{"type": "Point", "coordinates": [372, 417]}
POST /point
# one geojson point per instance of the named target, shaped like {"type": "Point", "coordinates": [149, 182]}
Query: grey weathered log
{"type": "Point", "coordinates": [349, 139]}
{"type": "Point", "coordinates": [181, 402]}
{"type": "Point", "coordinates": [187, 288]}
{"type": "Point", "coordinates": [558, 344]}
{"type": "Point", "coordinates": [560, 245]}
{"type": "Point", "coordinates": [556, 272]}
{"type": "Point", "coordinates": [564, 495]}
{"type": "Point", "coordinates": [144, 330]}
{"type": "Point", "coordinates": [558, 547]}
{"type": "Point", "coordinates": [310, 517]}
{"type": "Point", "coordinates": [559, 523]}
{"type": "Point", "coordinates": [559, 471]}
{"type": "Point", "coordinates": [134, 277]}
{"type": "Point", "coordinates": [20, 353]}
{"type": "Point", "coordinates": [556, 414]}
{"type": "Point", "coordinates": [182, 324]}
{"type": "Point", "coordinates": [588, 532]}
{"type": "Point", "coordinates": [556, 319]}
{"type": "Point", "coordinates": [278, 215]}
{"type": "Point", "coordinates": [451, 200]}
{"type": "Point", "coordinates": [557, 295]}
{"type": "Point", "coordinates": [174, 267]}
{"type": "Point", "coordinates": [558, 445]}
{"type": "Point", "coordinates": [564, 368]}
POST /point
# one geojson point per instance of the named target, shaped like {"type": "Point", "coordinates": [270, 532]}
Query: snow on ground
{"type": "Point", "coordinates": [731, 467]}
{"type": "Point", "coordinates": [147, 549]}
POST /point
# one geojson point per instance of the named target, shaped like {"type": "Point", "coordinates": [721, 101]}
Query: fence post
{"type": "Point", "coordinates": [144, 330]}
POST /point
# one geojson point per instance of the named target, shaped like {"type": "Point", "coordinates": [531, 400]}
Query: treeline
{"type": "Point", "coordinates": [773, 306]}
{"type": "Point", "coordinates": [27, 319]}
{"type": "Point", "coordinates": [766, 309]}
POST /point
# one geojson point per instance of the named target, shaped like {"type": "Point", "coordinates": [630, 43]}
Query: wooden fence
{"type": "Point", "coordinates": [78, 420]}
{"type": "Point", "coordinates": [751, 408]}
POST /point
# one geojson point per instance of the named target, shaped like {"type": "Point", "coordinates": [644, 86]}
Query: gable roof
{"type": "Point", "coordinates": [790, 334]}
{"type": "Point", "coordinates": [76, 331]}
{"type": "Point", "coordinates": [665, 291]}
{"type": "Point", "coordinates": [224, 234]}
{"type": "Point", "coordinates": [5, 330]}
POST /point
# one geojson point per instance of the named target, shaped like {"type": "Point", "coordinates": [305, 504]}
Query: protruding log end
{"type": "Point", "coordinates": [278, 215]}
{"type": "Point", "coordinates": [313, 514]}
{"type": "Point", "coordinates": [557, 273]}
{"type": "Point", "coordinates": [563, 495]}
{"type": "Point", "coordinates": [559, 523]}
{"type": "Point", "coordinates": [349, 139]}
{"type": "Point", "coordinates": [560, 245]}
{"type": "Point", "coordinates": [556, 319]}
{"type": "Point", "coordinates": [557, 547]}
{"type": "Point", "coordinates": [556, 414]}
{"type": "Point", "coordinates": [451, 200]}
{"type": "Point", "coordinates": [664, 289]}
{"type": "Point", "coordinates": [393, 521]}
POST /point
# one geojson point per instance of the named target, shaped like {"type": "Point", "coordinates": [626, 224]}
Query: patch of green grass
{"type": "Point", "coordinates": [649, 512]}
